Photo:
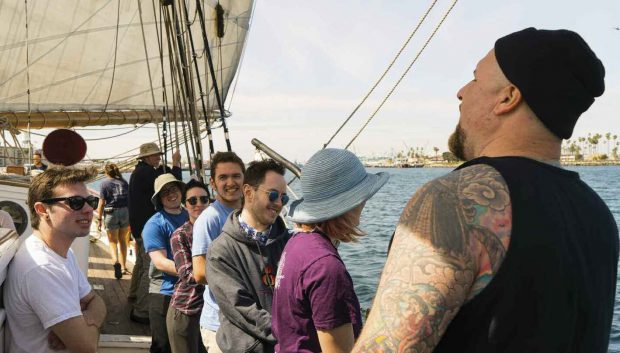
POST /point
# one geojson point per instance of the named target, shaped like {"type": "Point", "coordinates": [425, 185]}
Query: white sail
{"type": "Point", "coordinates": [95, 56]}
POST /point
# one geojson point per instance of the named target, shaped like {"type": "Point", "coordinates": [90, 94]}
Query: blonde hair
{"type": "Point", "coordinates": [344, 227]}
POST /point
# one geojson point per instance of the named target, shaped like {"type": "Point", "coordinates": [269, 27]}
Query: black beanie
{"type": "Point", "coordinates": [556, 71]}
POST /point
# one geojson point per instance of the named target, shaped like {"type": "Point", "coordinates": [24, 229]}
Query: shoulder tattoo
{"type": "Point", "coordinates": [450, 241]}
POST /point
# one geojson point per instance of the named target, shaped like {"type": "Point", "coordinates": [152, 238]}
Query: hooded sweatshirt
{"type": "Point", "coordinates": [241, 274]}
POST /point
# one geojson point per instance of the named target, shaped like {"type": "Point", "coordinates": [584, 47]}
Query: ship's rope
{"type": "Point", "coordinates": [7, 144]}
{"type": "Point", "coordinates": [402, 48]}
{"type": "Point", "coordinates": [194, 132]}
{"type": "Point", "coordinates": [403, 75]}
{"type": "Point", "coordinates": [200, 90]}
{"type": "Point", "coordinates": [188, 122]}
{"type": "Point", "coordinates": [93, 139]}
{"type": "Point", "coordinates": [28, 83]}
{"type": "Point", "coordinates": [216, 89]}
{"type": "Point", "coordinates": [118, 17]}
{"type": "Point", "coordinates": [158, 33]}
{"type": "Point", "coordinates": [146, 54]}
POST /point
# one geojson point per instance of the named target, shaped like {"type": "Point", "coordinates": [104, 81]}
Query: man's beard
{"type": "Point", "coordinates": [456, 143]}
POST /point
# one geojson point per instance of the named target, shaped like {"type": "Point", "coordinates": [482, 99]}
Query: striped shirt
{"type": "Point", "coordinates": [187, 297]}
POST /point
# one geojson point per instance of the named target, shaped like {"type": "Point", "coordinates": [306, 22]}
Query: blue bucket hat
{"type": "Point", "coordinates": [333, 182]}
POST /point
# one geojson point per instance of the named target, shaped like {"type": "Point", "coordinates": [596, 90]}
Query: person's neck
{"type": "Point", "coordinates": [249, 218]}
{"type": "Point", "coordinates": [176, 210]}
{"type": "Point", "coordinates": [59, 243]}
{"type": "Point", "coordinates": [230, 204]}
{"type": "Point", "coordinates": [541, 148]}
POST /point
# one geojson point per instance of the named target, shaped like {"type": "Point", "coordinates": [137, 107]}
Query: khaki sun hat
{"type": "Point", "coordinates": [160, 182]}
{"type": "Point", "coordinates": [149, 149]}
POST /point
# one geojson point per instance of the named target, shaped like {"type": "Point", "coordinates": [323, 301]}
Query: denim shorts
{"type": "Point", "coordinates": [117, 219]}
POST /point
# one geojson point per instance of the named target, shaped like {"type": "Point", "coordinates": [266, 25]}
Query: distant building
{"type": "Point", "coordinates": [13, 156]}
{"type": "Point", "coordinates": [567, 158]}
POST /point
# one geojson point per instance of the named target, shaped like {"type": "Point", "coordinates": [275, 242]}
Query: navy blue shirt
{"type": "Point", "coordinates": [114, 192]}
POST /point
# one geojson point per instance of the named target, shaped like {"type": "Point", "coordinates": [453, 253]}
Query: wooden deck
{"type": "Point", "coordinates": [114, 292]}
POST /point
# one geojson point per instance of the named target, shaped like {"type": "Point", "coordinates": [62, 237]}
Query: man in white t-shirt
{"type": "Point", "coordinates": [49, 304]}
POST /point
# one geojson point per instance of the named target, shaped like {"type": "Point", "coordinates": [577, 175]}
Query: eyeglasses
{"type": "Point", "coordinates": [274, 195]}
{"type": "Point", "coordinates": [194, 200]}
{"type": "Point", "coordinates": [76, 203]}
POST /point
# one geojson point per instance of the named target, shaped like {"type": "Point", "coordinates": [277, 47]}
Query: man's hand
{"type": "Point", "coordinates": [54, 342]}
{"type": "Point", "coordinates": [93, 310]}
{"type": "Point", "coordinates": [176, 158]}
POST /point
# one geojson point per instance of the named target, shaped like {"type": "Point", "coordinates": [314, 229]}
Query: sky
{"type": "Point", "coordinates": [308, 64]}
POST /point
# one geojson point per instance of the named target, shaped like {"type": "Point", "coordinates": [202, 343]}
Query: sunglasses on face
{"type": "Point", "coordinates": [76, 203]}
{"type": "Point", "coordinates": [194, 200]}
{"type": "Point", "coordinates": [274, 195]}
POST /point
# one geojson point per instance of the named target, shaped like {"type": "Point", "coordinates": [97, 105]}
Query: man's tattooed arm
{"type": "Point", "coordinates": [450, 241]}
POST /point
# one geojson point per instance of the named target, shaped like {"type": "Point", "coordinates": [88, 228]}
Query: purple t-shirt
{"type": "Point", "coordinates": [313, 291]}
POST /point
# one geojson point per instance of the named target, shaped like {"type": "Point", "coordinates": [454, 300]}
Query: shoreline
{"type": "Point", "coordinates": [456, 164]}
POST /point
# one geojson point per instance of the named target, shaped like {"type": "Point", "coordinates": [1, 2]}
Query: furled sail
{"type": "Point", "coordinates": [83, 63]}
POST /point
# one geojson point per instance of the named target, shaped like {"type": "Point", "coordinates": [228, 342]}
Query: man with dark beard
{"type": "Point", "coordinates": [242, 261]}
{"type": "Point", "coordinates": [510, 252]}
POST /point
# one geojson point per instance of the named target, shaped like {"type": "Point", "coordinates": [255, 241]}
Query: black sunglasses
{"type": "Point", "coordinates": [274, 195]}
{"type": "Point", "coordinates": [76, 203]}
{"type": "Point", "coordinates": [194, 200]}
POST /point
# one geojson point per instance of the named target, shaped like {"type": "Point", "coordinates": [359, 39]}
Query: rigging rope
{"type": "Point", "coordinates": [403, 75]}
{"type": "Point", "coordinates": [118, 17]}
{"type": "Point", "coordinates": [220, 103]}
{"type": "Point", "coordinates": [28, 83]}
{"type": "Point", "coordinates": [402, 48]}
{"type": "Point", "coordinates": [146, 54]}
{"type": "Point", "coordinates": [200, 89]}
{"type": "Point", "coordinates": [94, 139]}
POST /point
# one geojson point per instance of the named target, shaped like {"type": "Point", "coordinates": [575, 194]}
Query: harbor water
{"type": "Point", "coordinates": [365, 259]}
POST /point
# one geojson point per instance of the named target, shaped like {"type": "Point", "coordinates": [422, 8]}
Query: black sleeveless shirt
{"type": "Point", "coordinates": [554, 291]}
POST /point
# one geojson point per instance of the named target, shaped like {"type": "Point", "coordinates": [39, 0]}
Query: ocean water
{"type": "Point", "coordinates": [365, 260]}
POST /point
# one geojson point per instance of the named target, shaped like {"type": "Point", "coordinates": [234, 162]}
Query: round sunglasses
{"type": "Point", "coordinates": [76, 203]}
{"type": "Point", "coordinates": [274, 195]}
{"type": "Point", "coordinates": [194, 200]}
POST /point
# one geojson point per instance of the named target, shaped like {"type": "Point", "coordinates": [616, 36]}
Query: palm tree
{"type": "Point", "coordinates": [436, 149]}
{"type": "Point", "coordinates": [608, 137]}
{"type": "Point", "coordinates": [582, 141]}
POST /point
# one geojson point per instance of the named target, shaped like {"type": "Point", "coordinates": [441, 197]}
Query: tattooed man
{"type": "Point", "coordinates": [510, 252]}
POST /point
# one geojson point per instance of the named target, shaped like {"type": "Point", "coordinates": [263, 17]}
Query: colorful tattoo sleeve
{"type": "Point", "coordinates": [450, 241]}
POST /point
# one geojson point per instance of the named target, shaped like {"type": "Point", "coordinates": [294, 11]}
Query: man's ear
{"type": "Point", "coordinates": [212, 183]}
{"type": "Point", "coordinates": [41, 210]}
{"type": "Point", "coordinates": [248, 193]}
{"type": "Point", "coordinates": [509, 99]}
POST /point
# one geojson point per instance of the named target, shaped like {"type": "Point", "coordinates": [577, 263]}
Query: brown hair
{"type": "Point", "coordinates": [42, 186]}
{"type": "Point", "coordinates": [343, 227]}
{"type": "Point", "coordinates": [112, 171]}
{"type": "Point", "coordinates": [225, 157]}
{"type": "Point", "coordinates": [255, 175]}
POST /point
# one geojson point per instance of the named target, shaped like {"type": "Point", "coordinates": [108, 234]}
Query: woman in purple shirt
{"type": "Point", "coordinates": [315, 308]}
